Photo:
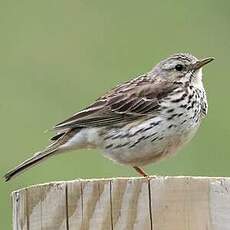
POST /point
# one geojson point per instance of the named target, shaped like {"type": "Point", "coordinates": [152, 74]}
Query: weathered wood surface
{"type": "Point", "coordinates": [162, 203]}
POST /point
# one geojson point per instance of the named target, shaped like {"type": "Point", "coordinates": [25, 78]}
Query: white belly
{"type": "Point", "coordinates": [156, 138]}
{"type": "Point", "coordinates": [146, 146]}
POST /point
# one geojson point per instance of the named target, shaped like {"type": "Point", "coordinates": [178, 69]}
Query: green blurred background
{"type": "Point", "coordinates": [58, 56]}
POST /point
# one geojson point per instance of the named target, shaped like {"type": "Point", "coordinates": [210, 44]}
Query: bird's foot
{"type": "Point", "coordinates": [141, 171]}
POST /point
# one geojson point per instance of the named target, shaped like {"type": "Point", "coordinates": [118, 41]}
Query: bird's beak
{"type": "Point", "coordinates": [201, 63]}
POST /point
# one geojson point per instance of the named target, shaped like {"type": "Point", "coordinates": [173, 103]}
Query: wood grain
{"type": "Point", "coordinates": [161, 203]}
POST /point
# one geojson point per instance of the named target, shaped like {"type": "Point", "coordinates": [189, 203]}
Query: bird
{"type": "Point", "coordinates": [139, 122]}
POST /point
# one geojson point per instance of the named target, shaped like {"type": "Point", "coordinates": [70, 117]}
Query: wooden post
{"type": "Point", "coordinates": [162, 203]}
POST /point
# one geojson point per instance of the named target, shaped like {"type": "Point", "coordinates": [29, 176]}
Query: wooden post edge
{"type": "Point", "coordinates": [159, 203]}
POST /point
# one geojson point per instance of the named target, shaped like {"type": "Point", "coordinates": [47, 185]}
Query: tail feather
{"type": "Point", "coordinates": [35, 159]}
{"type": "Point", "coordinates": [55, 147]}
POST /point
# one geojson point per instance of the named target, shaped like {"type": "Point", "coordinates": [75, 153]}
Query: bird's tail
{"type": "Point", "coordinates": [35, 159]}
{"type": "Point", "coordinates": [55, 147]}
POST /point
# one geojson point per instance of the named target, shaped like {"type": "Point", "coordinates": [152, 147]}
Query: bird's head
{"type": "Point", "coordinates": [181, 67]}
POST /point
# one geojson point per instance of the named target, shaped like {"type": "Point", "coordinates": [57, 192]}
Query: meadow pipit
{"type": "Point", "coordinates": [138, 122]}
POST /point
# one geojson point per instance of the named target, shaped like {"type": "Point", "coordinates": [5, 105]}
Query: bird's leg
{"type": "Point", "coordinates": [140, 171]}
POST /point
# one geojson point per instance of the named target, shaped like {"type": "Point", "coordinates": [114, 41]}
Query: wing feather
{"type": "Point", "coordinates": [122, 105]}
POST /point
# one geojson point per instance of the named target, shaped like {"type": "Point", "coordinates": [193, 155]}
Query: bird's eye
{"type": "Point", "coordinates": [179, 67]}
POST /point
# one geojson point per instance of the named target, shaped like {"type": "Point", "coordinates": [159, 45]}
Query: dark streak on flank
{"type": "Point", "coordinates": [170, 110]}
{"type": "Point", "coordinates": [108, 146]}
{"type": "Point", "coordinates": [183, 122]}
{"type": "Point", "coordinates": [183, 106]}
{"type": "Point", "coordinates": [154, 139]}
{"type": "Point", "coordinates": [142, 138]}
{"type": "Point", "coordinates": [155, 123]}
{"type": "Point", "coordinates": [136, 142]}
{"type": "Point", "coordinates": [121, 145]}
{"type": "Point", "coordinates": [120, 136]}
{"type": "Point", "coordinates": [135, 133]}
{"type": "Point", "coordinates": [171, 117]}
{"type": "Point", "coordinates": [146, 129]}
{"type": "Point", "coordinates": [108, 137]}
{"type": "Point", "coordinates": [153, 134]}
{"type": "Point", "coordinates": [171, 126]}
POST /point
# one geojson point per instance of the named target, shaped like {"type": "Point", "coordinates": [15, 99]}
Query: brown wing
{"type": "Point", "coordinates": [125, 103]}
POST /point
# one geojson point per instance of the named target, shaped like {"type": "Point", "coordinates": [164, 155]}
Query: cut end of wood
{"type": "Point", "coordinates": [163, 203]}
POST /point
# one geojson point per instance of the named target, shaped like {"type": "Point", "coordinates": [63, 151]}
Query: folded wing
{"type": "Point", "coordinates": [123, 104]}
